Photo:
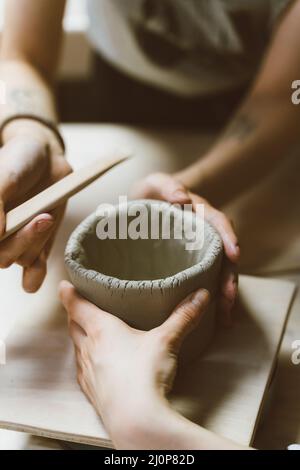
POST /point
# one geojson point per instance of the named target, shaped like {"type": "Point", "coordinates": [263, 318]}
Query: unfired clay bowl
{"type": "Point", "coordinates": [142, 281]}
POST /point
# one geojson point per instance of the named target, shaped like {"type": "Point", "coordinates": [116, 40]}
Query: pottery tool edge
{"type": "Point", "coordinates": [59, 193]}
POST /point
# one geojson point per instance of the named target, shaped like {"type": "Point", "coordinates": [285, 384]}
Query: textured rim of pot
{"type": "Point", "coordinates": [113, 282]}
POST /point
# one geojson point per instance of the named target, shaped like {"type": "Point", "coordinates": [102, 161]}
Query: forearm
{"type": "Point", "coordinates": [30, 51]}
{"type": "Point", "coordinates": [260, 136]}
{"type": "Point", "coordinates": [264, 130]}
{"type": "Point", "coordinates": [26, 92]}
{"type": "Point", "coordinates": [153, 424]}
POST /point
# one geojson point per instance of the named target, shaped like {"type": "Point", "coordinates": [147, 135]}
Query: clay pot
{"type": "Point", "coordinates": [141, 281]}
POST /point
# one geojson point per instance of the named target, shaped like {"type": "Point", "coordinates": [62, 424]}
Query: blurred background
{"type": "Point", "coordinates": [89, 90]}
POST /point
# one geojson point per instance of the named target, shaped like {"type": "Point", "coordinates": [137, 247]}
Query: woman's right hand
{"type": "Point", "coordinates": [29, 162]}
{"type": "Point", "coordinates": [166, 187]}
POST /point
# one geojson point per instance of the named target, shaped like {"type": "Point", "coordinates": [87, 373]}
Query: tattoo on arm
{"type": "Point", "coordinates": [25, 101]}
{"type": "Point", "coordinates": [242, 127]}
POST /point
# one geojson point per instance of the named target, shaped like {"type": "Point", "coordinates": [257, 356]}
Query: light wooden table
{"type": "Point", "coordinates": [279, 425]}
{"type": "Point", "coordinates": [168, 151]}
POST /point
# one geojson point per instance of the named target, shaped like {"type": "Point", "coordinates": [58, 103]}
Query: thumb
{"type": "Point", "coordinates": [185, 317]}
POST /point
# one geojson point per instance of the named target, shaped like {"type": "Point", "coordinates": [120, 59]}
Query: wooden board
{"type": "Point", "coordinates": [224, 390]}
{"type": "Point", "coordinates": [280, 423]}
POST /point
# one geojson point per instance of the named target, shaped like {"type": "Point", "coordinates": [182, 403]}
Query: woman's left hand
{"type": "Point", "coordinates": [126, 373]}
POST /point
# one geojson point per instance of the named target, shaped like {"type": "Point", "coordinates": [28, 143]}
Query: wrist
{"type": "Point", "coordinates": [126, 411]}
{"type": "Point", "coordinates": [32, 129]}
{"type": "Point", "coordinates": [203, 177]}
{"type": "Point", "coordinates": [192, 177]}
{"type": "Point", "coordinates": [140, 423]}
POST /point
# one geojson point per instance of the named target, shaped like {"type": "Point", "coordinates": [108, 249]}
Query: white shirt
{"type": "Point", "coordinates": [188, 47]}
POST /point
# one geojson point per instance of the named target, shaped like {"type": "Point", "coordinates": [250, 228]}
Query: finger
{"type": "Point", "coordinates": [80, 311]}
{"type": "Point", "coordinates": [12, 248]}
{"type": "Point", "coordinates": [29, 257]}
{"type": "Point", "coordinates": [33, 276]}
{"type": "Point", "coordinates": [44, 244]}
{"type": "Point", "coordinates": [48, 246]}
{"type": "Point", "coordinates": [228, 293]}
{"type": "Point", "coordinates": [58, 218]}
{"type": "Point", "coordinates": [185, 317]}
{"type": "Point", "coordinates": [34, 261]}
{"type": "Point", "coordinates": [174, 192]}
{"type": "Point", "coordinates": [171, 190]}
{"type": "Point", "coordinates": [222, 224]}
{"type": "Point", "coordinates": [77, 334]}
{"type": "Point", "coordinates": [163, 187]}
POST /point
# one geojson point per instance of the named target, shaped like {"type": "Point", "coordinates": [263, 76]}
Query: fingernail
{"type": "Point", "coordinates": [44, 225]}
{"type": "Point", "coordinates": [199, 296]}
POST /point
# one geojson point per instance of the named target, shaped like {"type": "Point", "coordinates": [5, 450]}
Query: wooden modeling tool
{"type": "Point", "coordinates": [58, 193]}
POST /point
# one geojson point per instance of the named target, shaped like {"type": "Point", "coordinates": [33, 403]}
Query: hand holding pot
{"type": "Point", "coordinates": [29, 162]}
{"type": "Point", "coordinates": [165, 187]}
{"type": "Point", "coordinates": [126, 373]}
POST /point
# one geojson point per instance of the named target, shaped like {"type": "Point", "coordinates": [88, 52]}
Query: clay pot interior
{"type": "Point", "coordinates": [140, 260]}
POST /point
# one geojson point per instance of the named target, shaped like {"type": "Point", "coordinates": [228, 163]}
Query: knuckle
{"type": "Point", "coordinates": [61, 168]}
{"type": "Point", "coordinates": [187, 314]}
{"type": "Point", "coordinates": [65, 168]}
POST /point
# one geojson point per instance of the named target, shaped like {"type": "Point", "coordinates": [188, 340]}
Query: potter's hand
{"type": "Point", "coordinates": [165, 187]}
{"type": "Point", "coordinates": [28, 164]}
{"type": "Point", "coordinates": [123, 371]}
